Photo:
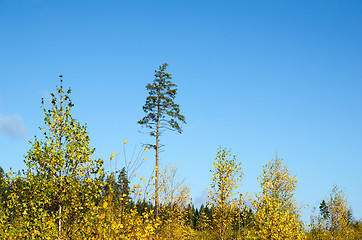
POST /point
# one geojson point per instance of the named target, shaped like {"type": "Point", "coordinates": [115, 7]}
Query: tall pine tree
{"type": "Point", "coordinates": [162, 113]}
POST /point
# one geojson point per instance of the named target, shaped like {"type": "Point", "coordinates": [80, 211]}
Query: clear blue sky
{"type": "Point", "coordinates": [254, 76]}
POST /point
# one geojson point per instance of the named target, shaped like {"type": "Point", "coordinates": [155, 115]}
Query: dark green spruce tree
{"type": "Point", "coordinates": [323, 210]}
{"type": "Point", "coordinates": [161, 114]}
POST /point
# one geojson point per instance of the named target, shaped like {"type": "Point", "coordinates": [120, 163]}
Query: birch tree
{"type": "Point", "coordinates": [226, 179]}
{"type": "Point", "coordinates": [277, 216]}
{"type": "Point", "coordinates": [61, 173]}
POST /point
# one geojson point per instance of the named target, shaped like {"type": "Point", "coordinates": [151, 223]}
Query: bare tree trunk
{"type": "Point", "coordinates": [156, 167]}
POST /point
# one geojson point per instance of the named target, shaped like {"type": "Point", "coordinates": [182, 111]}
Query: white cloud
{"type": "Point", "coordinates": [13, 126]}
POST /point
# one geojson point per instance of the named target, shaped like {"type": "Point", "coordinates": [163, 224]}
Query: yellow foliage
{"type": "Point", "coordinates": [336, 222]}
{"type": "Point", "coordinates": [276, 214]}
{"type": "Point", "coordinates": [225, 181]}
{"type": "Point", "coordinates": [173, 199]}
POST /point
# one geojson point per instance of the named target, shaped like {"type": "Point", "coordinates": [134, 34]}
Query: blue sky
{"type": "Point", "coordinates": [256, 77]}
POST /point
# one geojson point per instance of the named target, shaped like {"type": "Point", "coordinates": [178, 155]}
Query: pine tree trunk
{"type": "Point", "coordinates": [156, 167]}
